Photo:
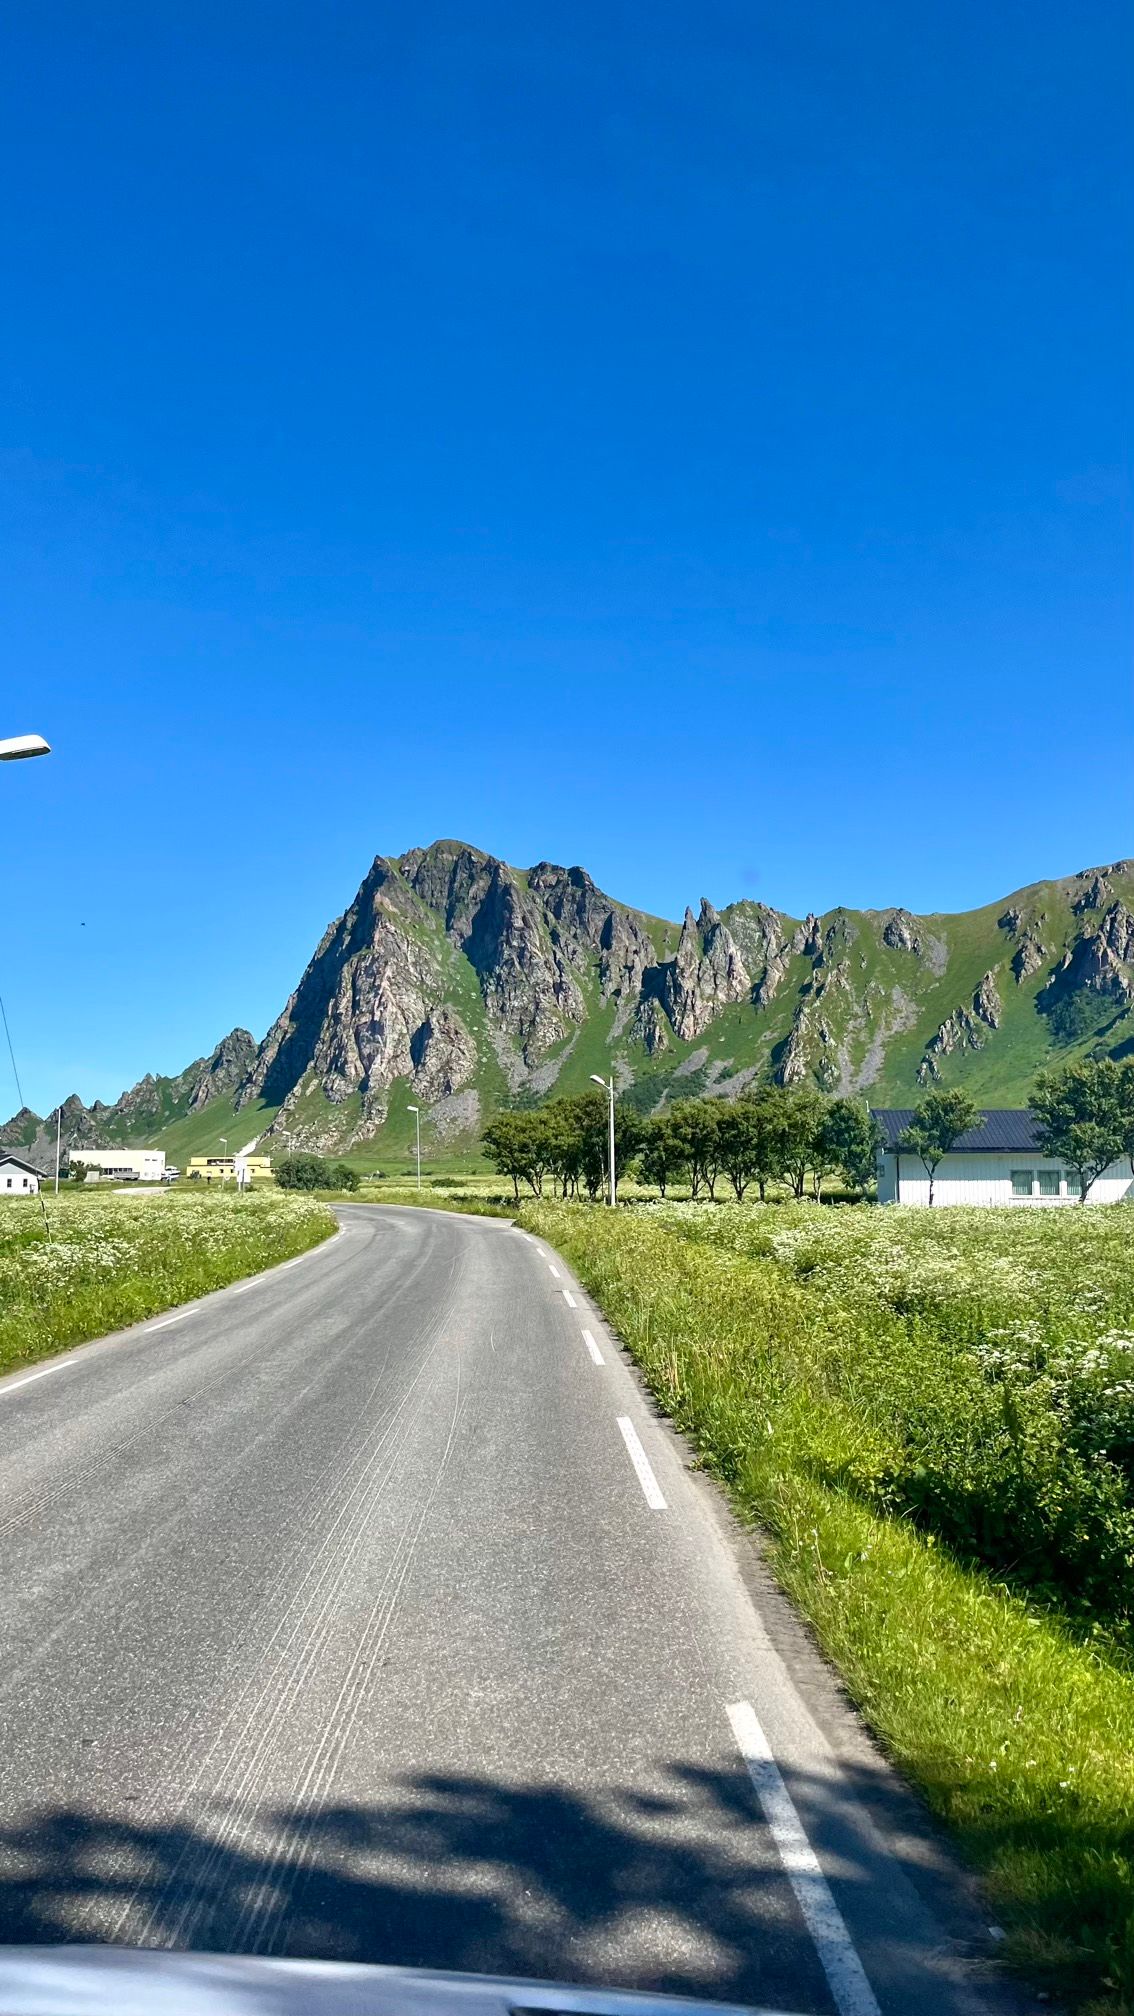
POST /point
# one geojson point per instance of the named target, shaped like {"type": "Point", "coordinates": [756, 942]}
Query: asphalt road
{"type": "Point", "coordinates": [341, 1618]}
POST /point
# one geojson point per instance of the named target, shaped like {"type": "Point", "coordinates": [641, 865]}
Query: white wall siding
{"type": "Point", "coordinates": [987, 1179]}
{"type": "Point", "coordinates": [149, 1163]}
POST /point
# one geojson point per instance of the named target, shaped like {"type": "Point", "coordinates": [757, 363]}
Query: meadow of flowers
{"type": "Point", "coordinates": [991, 1355]}
{"type": "Point", "coordinates": [74, 1267]}
{"type": "Point", "coordinates": [931, 1417]}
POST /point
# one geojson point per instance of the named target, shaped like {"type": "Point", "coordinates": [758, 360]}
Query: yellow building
{"type": "Point", "coordinates": [243, 1170]}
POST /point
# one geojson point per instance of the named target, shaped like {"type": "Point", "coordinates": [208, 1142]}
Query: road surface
{"type": "Point", "coordinates": [366, 1611]}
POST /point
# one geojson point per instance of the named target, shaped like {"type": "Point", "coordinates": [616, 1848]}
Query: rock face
{"type": "Point", "coordinates": [467, 983]}
{"type": "Point", "coordinates": [707, 974]}
{"type": "Point", "coordinates": [900, 932]}
{"type": "Point", "coordinates": [964, 1028]}
{"type": "Point", "coordinates": [1102, 961]}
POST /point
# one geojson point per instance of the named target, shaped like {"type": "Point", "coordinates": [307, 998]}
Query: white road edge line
{"type": "Point", "coordinates": [651, 1490]}
{"type": "Point", "coordinates": [167, 1320]}
{"type": "Point", "coordinates": [569, 1299]}
{"type": "Point", "coordinates": [15, 1385]}
{"type": "Point", "coordinates": [592, 1347]}
{"type": "Point", "coordinates": [846, 1977]}
{"type": "Point", "coordinates": [554, 1270]}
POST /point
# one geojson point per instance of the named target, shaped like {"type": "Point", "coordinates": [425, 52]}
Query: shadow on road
{"type": "Point", "coordinates": [680, 1891]}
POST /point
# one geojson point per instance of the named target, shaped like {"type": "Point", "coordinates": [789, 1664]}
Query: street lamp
{"type": "Point", "coordinates": [416, 1111]}
{"type": "Point", "coordinates": [13, 748]}
{"type": "Point", "coordinates": [609, 1090]}
{"type": "Point", "coordinates": [224, 1158]}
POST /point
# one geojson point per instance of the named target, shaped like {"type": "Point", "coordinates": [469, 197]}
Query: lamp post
{"type": "Point", "coordinates": [416, 1111]}
{"type": "Point", "coordinates": [224, 1158]}
{"type": "Point", "coordinates": [15, 749]}
{"type": "Point", "coordinates": [609, 1090]}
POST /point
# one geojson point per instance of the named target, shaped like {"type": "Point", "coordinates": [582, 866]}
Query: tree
{"type": "Point", "coordinates": [343, 1177]}
{"type": "Point", "coordinates": [662, 1155]}
{"type": "Point", "coordinates": [744, 1144]}
{"type": "Point", "coordinates": [938, 1122]}
{"type": "Point", "coordinates": [851, 1140]}
{"type": "Point", "coordinates": [800, 1119]}
{"type": "Point", "coordinates": [77, 1171]}
{"type": "Point", "coordinates": [1084, 1113]}
{"type": "Point", "coordinates": [507, 1142]}
{"type": "Point", "coordinates": [695, 1122]}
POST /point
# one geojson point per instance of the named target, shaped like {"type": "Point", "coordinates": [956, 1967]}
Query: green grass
{"type": "Point", "coordinates": [111, 1261]}
{"type": "Point", "coordinates": [1013, 1714]}
{"type": "Point", "coordinates": [200, 1133]}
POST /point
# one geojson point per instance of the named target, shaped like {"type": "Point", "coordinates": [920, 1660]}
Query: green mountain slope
{"type": "Point", "coordinates": [458, 984]}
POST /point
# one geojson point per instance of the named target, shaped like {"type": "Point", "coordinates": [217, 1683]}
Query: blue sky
{"type": "Point", "coordinates": [689, 441]}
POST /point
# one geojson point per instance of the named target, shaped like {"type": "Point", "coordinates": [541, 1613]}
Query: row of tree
{"type": "Point", "coordinates": [774, 1134]}
{"type": "Point", "coordinates": [790, 1134]}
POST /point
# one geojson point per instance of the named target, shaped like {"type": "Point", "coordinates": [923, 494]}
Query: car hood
{"type": "Point", "coordinates": [115, 1981]}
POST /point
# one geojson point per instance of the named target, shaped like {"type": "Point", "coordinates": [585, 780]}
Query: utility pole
{"type": "Point", "coordinates": [416, 1111]}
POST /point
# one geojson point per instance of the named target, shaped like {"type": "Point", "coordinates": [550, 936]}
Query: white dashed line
{"type": "Point", "coordinates": [15, 1384]}
{"type": "Point", "coordinates": [553, 1270]}
{"type": "Point", "coordinates": [852, 1992]}
{"type": "Point", "coordinates": [167, 1320]}
{"type": "Point", "coordinates": [592, 1347]}
{"type": "Point", "coordinates": [569, 1299]}
{"type": "Point", "coordinates": [244, 1287]}
{"type": "Point", "coordinates": [651, 1490]}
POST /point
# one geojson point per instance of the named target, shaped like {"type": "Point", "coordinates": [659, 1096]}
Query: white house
{"type": "Point", "coordinates": [998, 1163]}
{"type": "Point", "coordinates": [127, 1165]}
{"type": "Point", "coordinates": [17, 1177]}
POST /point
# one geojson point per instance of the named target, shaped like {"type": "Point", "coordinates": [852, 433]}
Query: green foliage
{"type": "Point", "coordinates": [343, 1176]}
{"type": "Point", "coordinates": [76, 1171]}
{"type": "Point", "coordinates": [565, 1139]}
{"type": "Point", "coordinates": [1086, 1115]}
{"type": "Point", "coordinates": [773, 1134]}
{"type": "Point", "coordinates": [871, 1385]}
{"type": "Point", "coordinates": [939, 1120]}
{"type": "Point", "coordinates": [850, 1139]}
{"type": "Point", "coordinates": [661, 1152]}
{"type": "Point", "coordinates": [696, 1123]}
{"type": "Point", "coordinates": [305, 1172]}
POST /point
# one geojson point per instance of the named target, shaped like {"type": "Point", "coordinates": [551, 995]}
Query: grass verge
{"type": "Point", "coordinates": [111, 1261]}
{"type": "Point", "coordinates": [1015, 1724]}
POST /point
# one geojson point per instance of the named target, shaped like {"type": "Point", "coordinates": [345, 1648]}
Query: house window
{"type": "Point", "coordinates": [1021, 1182]}
{"type": "Point", "coordinates": [9, 1182]}
{"type": "Point", "coordinates": [1074, 1187]}
{"type": "Point", "coordinates": [1049, 1182]}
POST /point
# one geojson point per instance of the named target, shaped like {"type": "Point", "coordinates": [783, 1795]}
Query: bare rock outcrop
{"type": "Point", "coordinates": [964, 1028]}
{"type": "Point", "coordinates": [900, 932]}
{"type": "Point", "coordinates": [706, 975]}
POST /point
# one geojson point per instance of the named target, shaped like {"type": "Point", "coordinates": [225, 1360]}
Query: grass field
{"type": "Point", "coordinates": [933, 1422]}
{"type": "Point", "coordinates": [112, 1260]}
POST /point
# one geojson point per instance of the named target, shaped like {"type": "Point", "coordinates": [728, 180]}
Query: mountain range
{"type": "Point", "coordinates": [459, 984]}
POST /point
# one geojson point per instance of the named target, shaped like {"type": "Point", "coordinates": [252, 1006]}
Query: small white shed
{"type": "Point", "coordinates": [17, 1177]}
{"type": "Point", "coordinates": [997, 1163]}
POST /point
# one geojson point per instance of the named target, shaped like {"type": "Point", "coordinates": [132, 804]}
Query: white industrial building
{"type": "Point", "coordinates": [124, 1165]}
{"type": "Point", "coordinates": [17, 1177]}
{"type": "Point", "coordinates": [997, 1163]}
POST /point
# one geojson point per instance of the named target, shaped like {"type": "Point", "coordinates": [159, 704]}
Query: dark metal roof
{"type": "Point", "coordinates": [9, 1159]}
{"type": "Point", "coordinates": [1007, 1130]}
